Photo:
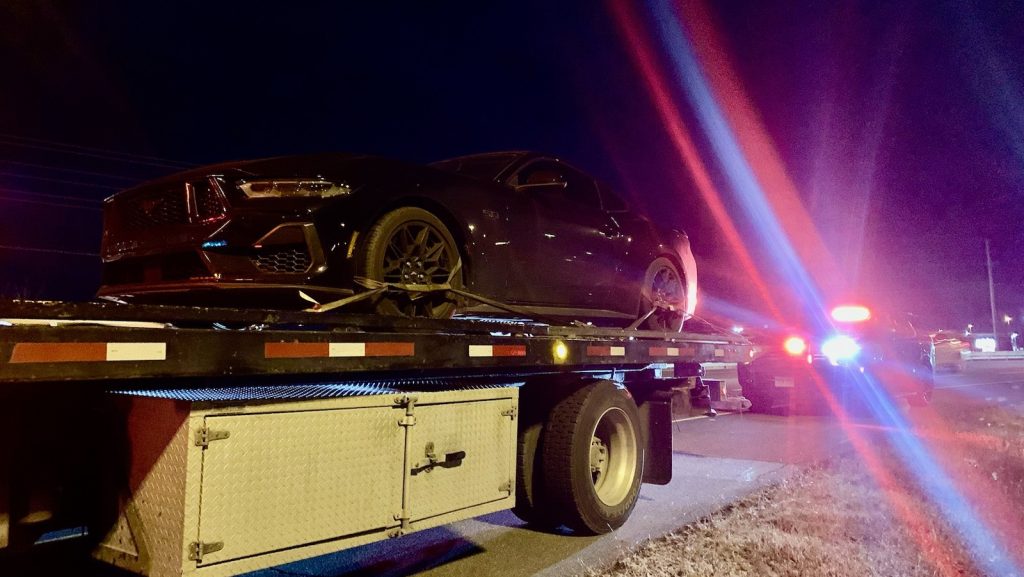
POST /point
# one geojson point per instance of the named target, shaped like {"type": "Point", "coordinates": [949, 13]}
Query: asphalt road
{"type": "Point", "coordinates": [715, 462]}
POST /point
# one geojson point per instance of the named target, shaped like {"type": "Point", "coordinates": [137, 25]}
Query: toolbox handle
{"type": "Point", "coordinates": [453, 459]}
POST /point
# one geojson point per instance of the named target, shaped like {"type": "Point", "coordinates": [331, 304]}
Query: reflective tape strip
{"type": "Point", "coordinates": [497, 350]}
{"type": "Point", "coordinates": [595, 351]}
{"type": "Point", "coordinates": [719, 353]}
{"type": "Point", "coordinates": [87, 352]}
{"type": "Point", "coordinates": [663, 351]}
{"type": "Point", "coordinates": [324, 350]}
{"type": "Point", "coordinates": [136, 351]}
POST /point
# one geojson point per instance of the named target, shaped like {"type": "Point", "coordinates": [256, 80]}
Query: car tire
{"type": "Point", "coordinates": [593, 457]}
{"type": "Point", "coordinates": [663, 281]}
{"type": "Point", "coordinates": [410, 245]}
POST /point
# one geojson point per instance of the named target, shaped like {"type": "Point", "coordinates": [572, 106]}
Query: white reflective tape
{"type": "Point", "coordinates": [481, 351]}
{"type": "Point", "coordinates": [719, 353]}
{"type": "Point", "coordinates": [136, 351]}
{"type": "Point", "coordinates": [617, 351]}
{"type": "Point", "coordinates": [347, 350]}
{"type": "Point", "coordinates": [673, 352]}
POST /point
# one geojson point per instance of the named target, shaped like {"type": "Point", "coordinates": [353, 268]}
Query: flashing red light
{"type": "Point", "coordinates": [851, 314]}
{"type": "Point", "coordinates": [795, 346]}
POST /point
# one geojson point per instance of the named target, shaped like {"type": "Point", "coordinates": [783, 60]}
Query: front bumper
{"type": "Point", "coordinates": [255, 251]}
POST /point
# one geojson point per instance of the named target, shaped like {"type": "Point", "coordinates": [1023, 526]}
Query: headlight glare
{"type": "Point", "coordinates": [840, 348]}
{"type": "Point", "coordinates": [293, 188]}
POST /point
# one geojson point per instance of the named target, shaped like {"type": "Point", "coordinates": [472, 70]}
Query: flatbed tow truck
{"type": "Point", "coordinates": [174, 441]}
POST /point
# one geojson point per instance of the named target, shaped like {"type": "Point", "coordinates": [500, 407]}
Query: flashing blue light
{"type": "Point", "coordinates": [840, 348]}
{"type": "Point", "coordinates": [215, 243]}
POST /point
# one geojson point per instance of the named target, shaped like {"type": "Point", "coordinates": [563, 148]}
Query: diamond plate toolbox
{"type": "Point", "coordinates": [223, 488]}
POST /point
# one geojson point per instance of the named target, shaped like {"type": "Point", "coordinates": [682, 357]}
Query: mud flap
{"type": "Point", "coordinates": [656, 420]}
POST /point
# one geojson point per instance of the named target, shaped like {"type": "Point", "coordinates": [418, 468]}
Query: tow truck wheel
{"type": "Point", "coordinates": [593, 458]}
{"type": "Point", "coordinates": [663, 283]}
{"type": "Point", "coordinates": [530, 505]}
{"type": "Point", "coordinates": [412, 246]}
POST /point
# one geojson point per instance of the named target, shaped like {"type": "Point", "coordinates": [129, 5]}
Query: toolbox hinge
{"type": "Point", "coordinates": [197, 549]}
{"type": "Point", "coordinates": [409, 404]}
{"type": "Point", "coordinates": [506, 487]}
{"type": "Point", "coordinates": [513, 413]}
{"type": "Point", "coordinates": [205, 435]}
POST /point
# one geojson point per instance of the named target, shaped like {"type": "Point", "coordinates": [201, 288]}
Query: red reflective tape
{"type": "Point", "coordinates": [509, 350]}
{"type": "Point", "coordinates": [658, 351]}
{"type": "Point", "coordinates": [390, 349]}
{"type": "Point", "coordinates": [58, 352]}
{"type": "Point", "coordinates": [295, 350]}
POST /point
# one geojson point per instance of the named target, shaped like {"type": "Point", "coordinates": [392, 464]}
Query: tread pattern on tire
{"type": "Point", "coordinates": [568, 496]}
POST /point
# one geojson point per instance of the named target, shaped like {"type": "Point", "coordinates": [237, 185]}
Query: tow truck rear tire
{"type": "Point", "coordinates": [593, 458]}
{"type": "Point", "coordinates": [530, 503]}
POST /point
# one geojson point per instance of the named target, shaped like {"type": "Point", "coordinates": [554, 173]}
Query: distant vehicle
{"type": "Point", "coordinates": [516, 227]}
{"type": "Point", "coordinates": [947, 348]}
{"type": "Point", "coordinates": [799, 370]}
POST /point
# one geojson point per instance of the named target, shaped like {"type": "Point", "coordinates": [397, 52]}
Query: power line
{"type": "Point", "coordinates": [58, 180]}
{"type": "Point", "coordinates": [70, 170]}
{"type": "Point", "coordinates": [57, 204]}
{"type": "Point", "coordinates": [47, 250]}
{"type": "Point", "coordinates": [97, 150]}
{"type": "Point", "coordinates": [91, 155]}
{"type": "Point", "coordinates": [4, 189]}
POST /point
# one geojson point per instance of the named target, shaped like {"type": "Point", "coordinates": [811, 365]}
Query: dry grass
{"type": "Point", "coordinates": [837, 520]}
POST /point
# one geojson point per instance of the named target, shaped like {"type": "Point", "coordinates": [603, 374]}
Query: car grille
{"type": "Point", "coordinates": [168, 205]}
{"type": "Point", "coordinates": [157, 207]}
{"type": "Point", "coordinates": [160, 268]}
{"type": "Point", "coordinates": [292, 259]}
{"type": "Point", "coordinates": [207, 200]}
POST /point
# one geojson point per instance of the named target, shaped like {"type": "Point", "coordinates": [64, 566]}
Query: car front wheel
{"type": "Point", "coordinates": [411, 246]}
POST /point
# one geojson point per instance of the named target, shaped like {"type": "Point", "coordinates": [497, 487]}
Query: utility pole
{"type": "Point", "coordinates": [991, 294]}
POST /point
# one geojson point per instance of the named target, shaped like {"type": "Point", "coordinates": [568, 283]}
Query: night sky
{"type": "Point", "coordinates": [901, 125]}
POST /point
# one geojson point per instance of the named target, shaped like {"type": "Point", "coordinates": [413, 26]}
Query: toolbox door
{"type": "Point", "coordinates": [280, 480]}
{"type": "Point", "coordinates": [460, 455]}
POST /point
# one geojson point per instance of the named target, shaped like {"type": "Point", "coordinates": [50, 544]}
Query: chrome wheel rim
{"type": "Point", "coordinates": [613, 456]}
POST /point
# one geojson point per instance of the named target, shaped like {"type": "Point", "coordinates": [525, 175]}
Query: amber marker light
{"type": "Point", "coordinates": [560, 351]}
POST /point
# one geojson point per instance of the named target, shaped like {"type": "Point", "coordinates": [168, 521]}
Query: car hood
{"type": "Point", "coordinates": [352, 169]}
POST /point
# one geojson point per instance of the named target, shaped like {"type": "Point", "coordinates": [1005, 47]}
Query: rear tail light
{"type": "Point", "coordinates": [795, 346]}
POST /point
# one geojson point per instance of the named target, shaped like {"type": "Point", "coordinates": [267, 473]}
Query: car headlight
{"type": "Point", "coordinates": [840, 348]}
{"type": "Point", "coordinates": [293, 188]}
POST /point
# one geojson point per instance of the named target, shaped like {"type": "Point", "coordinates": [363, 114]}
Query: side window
{"type": "Point", "coordinates": [576, 186]}
{"type": "Point", "coordinates": [610, 201]}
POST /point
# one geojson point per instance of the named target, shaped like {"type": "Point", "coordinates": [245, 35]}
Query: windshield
{"type": "Point", "coordinates": [482, 166]}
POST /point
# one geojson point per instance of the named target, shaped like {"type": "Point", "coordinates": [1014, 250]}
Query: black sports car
{"type": "Point", "coordinates": [516, 227]}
